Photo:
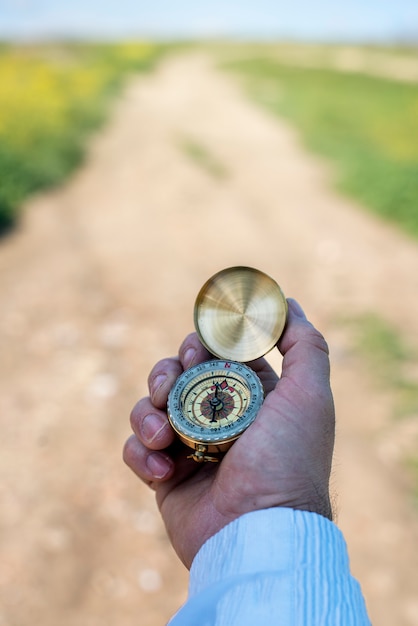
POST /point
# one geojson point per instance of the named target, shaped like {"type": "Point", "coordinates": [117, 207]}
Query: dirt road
{"type": "Point", "coordinates": [99, 283]}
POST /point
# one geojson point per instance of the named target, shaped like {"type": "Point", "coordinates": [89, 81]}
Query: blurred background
{"type": "Point", "coordinates": [143, 147]}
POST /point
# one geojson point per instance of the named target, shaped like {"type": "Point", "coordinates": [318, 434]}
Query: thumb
{"type": "Point", "coordinates": [306, 355]}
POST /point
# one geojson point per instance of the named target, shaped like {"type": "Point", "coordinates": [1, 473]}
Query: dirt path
{"type": "Point", "coordinates": [100, 282]}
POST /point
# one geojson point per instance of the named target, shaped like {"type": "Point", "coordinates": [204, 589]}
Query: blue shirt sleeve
{"type": "Point", "coordinates": [276, 566]}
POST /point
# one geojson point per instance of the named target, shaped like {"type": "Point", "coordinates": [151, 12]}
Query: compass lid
{"type": "Point", "coordinates": [240, 313]}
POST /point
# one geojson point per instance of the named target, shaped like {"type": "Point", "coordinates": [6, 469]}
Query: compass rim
{"type": "Point", "coordinates": [182, 425]}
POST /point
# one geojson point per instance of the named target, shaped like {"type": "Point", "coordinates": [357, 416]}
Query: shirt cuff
{"type": "Point", "coordinates": [269, 540]}
{"type": "Point", "coordinates": [304, 553]}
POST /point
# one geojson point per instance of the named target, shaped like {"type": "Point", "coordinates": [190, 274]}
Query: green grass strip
{"type": "Point", "coordinates": [202, 156]}
{"type": "Point", "coordinates": [367, 126]}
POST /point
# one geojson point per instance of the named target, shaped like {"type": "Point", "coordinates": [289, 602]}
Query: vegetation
{"type": "Point", "coordinates": [391, 362]}
{"type": "Point", "coordinates": [366, 126]}
{"type": "Point", "coordinates": [51, 97]}
{"type": "Point", "coordinates": [202, 156]}
{"type": "Point", "coordinates": [392, 365]}
{"type": "Point", "coordinates": [389, 359]}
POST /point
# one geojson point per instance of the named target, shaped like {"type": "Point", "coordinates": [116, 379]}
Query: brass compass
{"type": "Point", "coordinates": [239, 315]}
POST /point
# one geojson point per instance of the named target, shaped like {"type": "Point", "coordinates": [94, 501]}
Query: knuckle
{"type": "Point", "coordinates": [318, 341]}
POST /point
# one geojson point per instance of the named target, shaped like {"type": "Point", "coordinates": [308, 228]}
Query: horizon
{"type": "Point", "coordinates": [376, 22]}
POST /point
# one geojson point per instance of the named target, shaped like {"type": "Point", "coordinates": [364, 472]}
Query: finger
{"type": "Point", "coordinates": [305, 352]}
{"type": "Point", "coordinates": [193, 352]}
{"type": "Point", "coordinates": [161, 379]}
{"type": "Point", "coordinates": [149, 465]}
{"type": "Point", "coordinates": [151, 425]}
{"type": "Point", "coordinates": [164, 374]}
{"type": "Point", "coordinates": [302, 346]}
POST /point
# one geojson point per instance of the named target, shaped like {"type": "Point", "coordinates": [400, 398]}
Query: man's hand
{"type": "Point", "coordinates": [283, 459]}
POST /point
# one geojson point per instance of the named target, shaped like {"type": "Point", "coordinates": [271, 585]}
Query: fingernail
{"type": "Point", "coordinates": [189, 355]}
{"type": "Point", "coordinates": [151, 427]}
{"type": "Point", "coordinates": [296, 309]}
{"type": "Point", "coordinates": [158, 465]}
{"type": "Point", "coordinates": [158, 382]}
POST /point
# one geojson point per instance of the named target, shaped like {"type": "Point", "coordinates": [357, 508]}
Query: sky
{"type": "Point", "coordinates": [323, 20]}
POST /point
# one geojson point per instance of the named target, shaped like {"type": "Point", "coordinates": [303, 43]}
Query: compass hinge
{"type": "Point", "coordinates": [200, 455]}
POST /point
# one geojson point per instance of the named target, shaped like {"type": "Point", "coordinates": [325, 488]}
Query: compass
{"type": "Point", "coordinates": [239, 316]}
{"type": "Point", "coordinates": [211, 404]}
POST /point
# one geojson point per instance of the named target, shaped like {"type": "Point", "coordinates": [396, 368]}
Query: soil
{"type": "Point", "coordinates": [98, 283]}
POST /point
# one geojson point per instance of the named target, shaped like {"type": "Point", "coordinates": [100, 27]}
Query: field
{"type": "Point", "coordinates": [51, 98]}
{"type": "Point", "coordinates": [367, 126]}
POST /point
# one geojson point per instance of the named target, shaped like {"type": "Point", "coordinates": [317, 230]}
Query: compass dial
{"type": "Point", "coordinates": [214, 402]}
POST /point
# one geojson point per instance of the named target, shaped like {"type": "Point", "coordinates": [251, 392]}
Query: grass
{"type": "Point", "coordinates": [389, 360]}
{"type": "Point", "coordinates": [412, 467]}
{"type": "Point", "coordinates": [51, 98]}
{"type": "Point", "coordinates": [366, 126]}
{"type": "Point", "coordinates": [392, 365]}
{"type": "Point", "coordinates": [203, 157]}
{"type": "Point", "coordinates": [383, 347]}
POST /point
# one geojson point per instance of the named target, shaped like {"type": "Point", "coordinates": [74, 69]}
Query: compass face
{"type": "Point", "coordinates": [215, 401]}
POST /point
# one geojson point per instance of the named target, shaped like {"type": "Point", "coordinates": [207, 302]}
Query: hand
{"type": "Point", "coordinates": [282, 459]}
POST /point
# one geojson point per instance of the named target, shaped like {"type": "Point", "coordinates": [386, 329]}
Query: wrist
{"type": "Point", "coordinates": [321, 507]}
